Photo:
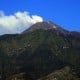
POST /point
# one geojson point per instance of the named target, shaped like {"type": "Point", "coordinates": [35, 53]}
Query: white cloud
{"type": "Point", "coordinates": [17, 23]}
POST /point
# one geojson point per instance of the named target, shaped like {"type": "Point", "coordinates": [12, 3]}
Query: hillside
{"type": "Point", "coordinates": [40, 51]}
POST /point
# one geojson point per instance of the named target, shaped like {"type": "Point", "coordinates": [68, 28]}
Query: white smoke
{"type": "Point", "coordinates": [17, 22]}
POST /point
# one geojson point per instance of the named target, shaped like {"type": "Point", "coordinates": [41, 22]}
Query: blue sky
{"type": "Point", "coordinates": [66, 13]}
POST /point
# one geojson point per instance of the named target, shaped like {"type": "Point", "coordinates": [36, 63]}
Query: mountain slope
{"type": "Point", "coordinates": [45, 26]}
{"type": "Point", "coordinates": [52, 27]}
{"type": "Point", "coordinates": [39, 52]}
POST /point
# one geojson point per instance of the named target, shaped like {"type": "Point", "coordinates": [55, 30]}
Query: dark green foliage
{"type": "Point", "coordinates": [38, 54]}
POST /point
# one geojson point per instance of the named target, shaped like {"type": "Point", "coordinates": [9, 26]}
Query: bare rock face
{"type": "Point", "coordinates": [40, 25]}
{"type": "Point", "coordinates": [44, 26]}
{"type": "Point", "coordinates": [52, 27]}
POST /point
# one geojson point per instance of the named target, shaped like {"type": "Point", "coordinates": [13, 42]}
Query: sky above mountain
{"type": "Point", "coordinates": [18, 15]}
{"type": "Point", "coordinates": [17, 22]}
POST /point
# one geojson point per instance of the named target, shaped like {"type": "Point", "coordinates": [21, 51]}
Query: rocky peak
{"type": "Point", "coordinates": [51, 27]}
{"type": "Point", "coordinates": [43, 25]}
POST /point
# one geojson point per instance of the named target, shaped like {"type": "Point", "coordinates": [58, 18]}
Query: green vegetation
{"type": "Point", "coordinates": [62, 74]}
{"type": "Point", "coordinates": [38, 54]}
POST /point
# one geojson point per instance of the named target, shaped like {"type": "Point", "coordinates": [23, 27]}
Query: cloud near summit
{"type": "Point", "coordinates": [18, 22]}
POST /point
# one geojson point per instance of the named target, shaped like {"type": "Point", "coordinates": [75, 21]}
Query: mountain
{"type": "Point", "coordinates": [52, 27]}
{"type": "Point", "coordinates": [43, 52]}
{"type": "Point", "coordinates": [46, 26]}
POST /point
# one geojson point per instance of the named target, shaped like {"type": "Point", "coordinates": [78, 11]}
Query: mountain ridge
{"type": "Point", "coordinates": [39, 54]}
{"type": "Point", "coordinates": [45, 26]}
{"type": "Point", "coordinates": [52, 27]}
